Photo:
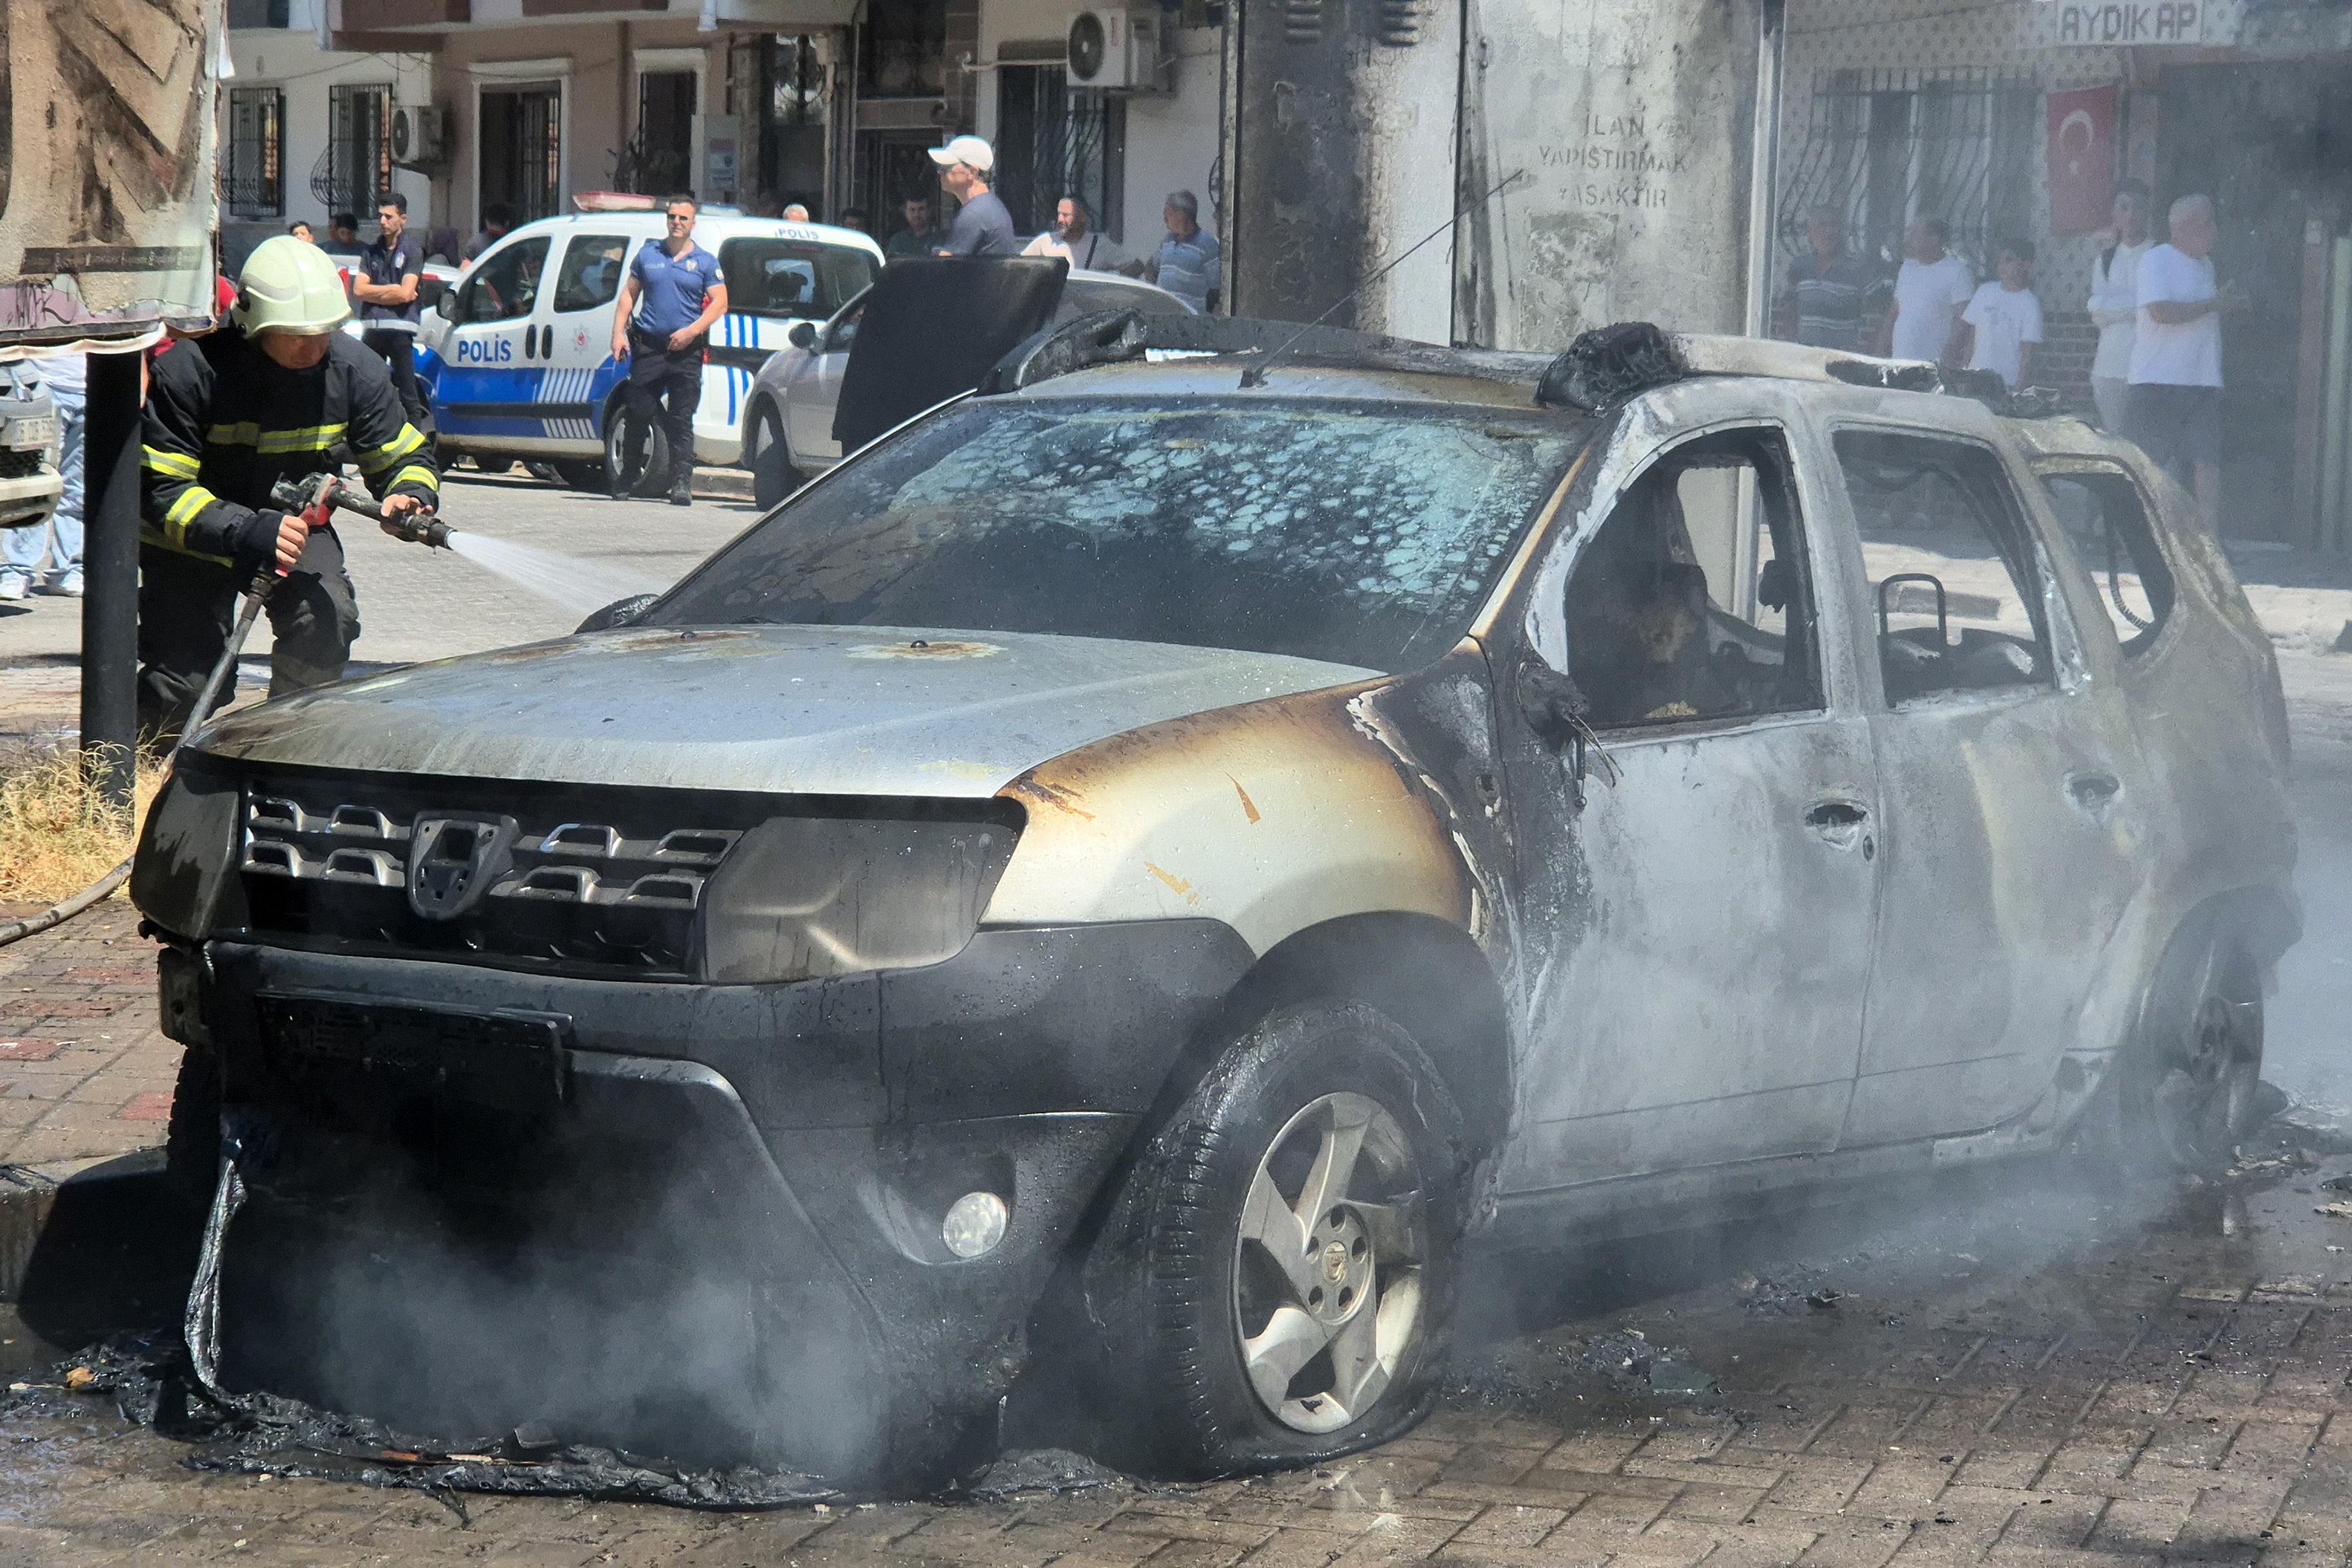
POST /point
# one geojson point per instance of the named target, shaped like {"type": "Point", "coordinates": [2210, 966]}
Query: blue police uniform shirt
{"type": "Point", "coordinates": [670, 289]}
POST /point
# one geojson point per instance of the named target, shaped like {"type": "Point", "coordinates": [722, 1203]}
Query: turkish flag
{"type": "Point", "coordinates": [2082, 159]}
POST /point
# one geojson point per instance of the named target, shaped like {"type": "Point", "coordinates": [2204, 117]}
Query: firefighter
{"type": "Point", "coordinates": [280, 394]}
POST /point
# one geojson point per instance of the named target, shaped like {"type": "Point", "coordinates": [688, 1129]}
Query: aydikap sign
{"type": "Point", "coordinates": [2125, 23]}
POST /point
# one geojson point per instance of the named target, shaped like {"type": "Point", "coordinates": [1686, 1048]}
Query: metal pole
{"type": "Point", "coordinates": [109, 606]}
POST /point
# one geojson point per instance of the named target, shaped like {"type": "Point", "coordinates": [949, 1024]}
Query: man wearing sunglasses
{"type": "Point", "coordinates": [673, 294]}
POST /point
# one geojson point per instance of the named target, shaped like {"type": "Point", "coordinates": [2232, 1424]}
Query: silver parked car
{"type": "Point", "coordinates": [29, 482]}
{"type": "Point", "coordinates": [788, 415]}
{"type": "Point", "coordinates": [1145, 865]}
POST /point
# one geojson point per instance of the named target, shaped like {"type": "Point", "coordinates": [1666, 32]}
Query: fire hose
{"type": "Point", "coordinates": [316, 500]}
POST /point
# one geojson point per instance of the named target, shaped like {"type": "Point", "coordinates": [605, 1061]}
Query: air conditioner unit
{"type": "Point", "coordinates": [420, 136]}
{"type": "Point", "coordinates": [1123, 49]}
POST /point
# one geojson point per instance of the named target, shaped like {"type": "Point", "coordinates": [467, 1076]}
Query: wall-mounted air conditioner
{"type": "Point", "coordinates": [420, 136]}
{"type": "Point", "coordinates": [1125, 50]}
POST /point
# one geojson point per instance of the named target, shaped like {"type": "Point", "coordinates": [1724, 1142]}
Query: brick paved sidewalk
{"type": "Point", "coordinates": [2016, 1373]}
{"type": "Point", "coordinates": [85, 1074]}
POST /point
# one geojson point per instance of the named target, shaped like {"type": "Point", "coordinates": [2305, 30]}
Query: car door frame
{"type": "Point", "coordinates": [1652, 1140]}
{"type": "Point", "coordinates": [503, 366]}
{"type": "Point", "coordinates": [1990, 973]}
{"type": "Point", "coordinates": [581, 374]}
{"type": "Point", "coordinates": [816, 394]}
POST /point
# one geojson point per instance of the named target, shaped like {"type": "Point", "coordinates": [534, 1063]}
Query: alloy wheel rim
{"type": "Point", "coordinates": [1327, 1271]}
{"type": "Point", "coordinates": [2205, 1095]}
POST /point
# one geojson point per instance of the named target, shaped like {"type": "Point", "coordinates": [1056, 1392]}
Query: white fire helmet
{"type": "Point", "coordinates": [289, 285]}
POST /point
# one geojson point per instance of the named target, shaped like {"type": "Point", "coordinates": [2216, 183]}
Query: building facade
{"type": "Point", "coordinates": [2017, 119]}
{"type": "Point", "coordinates": [305, 133]}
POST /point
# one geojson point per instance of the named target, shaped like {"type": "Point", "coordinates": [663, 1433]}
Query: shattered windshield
{"type": "Point", "coordinates": [1362, 533]}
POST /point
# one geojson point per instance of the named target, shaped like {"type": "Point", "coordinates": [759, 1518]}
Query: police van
{"type": "Point", "coordinates": [517, 352]}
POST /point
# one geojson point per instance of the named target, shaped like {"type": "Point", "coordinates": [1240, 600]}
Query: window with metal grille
{"type": "Point", "coordinates": [1883, 147]}
{"type": "Point", "coordinates": [259, 14]}
{"type": "Point", "coordinates": [355, 171]}
{"type": "Point", "coordinates": [253, 182]}
{"type": "Point", "coordinates": [1055, 141]}
{"type": "Point", "coordinates": [522, 149]}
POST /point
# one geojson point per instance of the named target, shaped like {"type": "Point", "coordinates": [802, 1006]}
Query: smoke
{"type": "Point", "coordinates": [577, 585]}
{"type": "Point", "coordinates": [590, 1297]}
{"type": "Point", "coordinates": [2305, 1050]}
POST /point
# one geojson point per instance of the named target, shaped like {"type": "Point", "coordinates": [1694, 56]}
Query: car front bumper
{"type": "Point", "coordinates": [29, 500]}
{"type": "Point", "coordinates": [721, 1242]}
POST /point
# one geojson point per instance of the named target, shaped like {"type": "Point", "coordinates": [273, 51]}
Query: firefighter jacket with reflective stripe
{"type": "Point", "coordinates": [225, 422]}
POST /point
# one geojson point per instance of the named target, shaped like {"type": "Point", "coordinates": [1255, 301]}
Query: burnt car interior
{"type": "Point", "coordinates": [1912, 492]}
{"type": "Point", "coordinates": [2105, 516]}
{"type": "Point", "coordinates": [1692, 601]}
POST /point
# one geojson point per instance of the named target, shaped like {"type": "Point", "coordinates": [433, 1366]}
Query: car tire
{"type": "Point", "coordinates": [773, 474]}
{"type": "Point", "coordinates": [1275, 1284]}
{"type": "Point", "coordinates": [655, 480]}
{"type": "Point", "coordinates": [2191, 1086]}
{"type": "Point", "coordinates": [191, 1139]}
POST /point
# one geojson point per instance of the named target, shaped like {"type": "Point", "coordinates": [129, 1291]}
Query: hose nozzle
{"type": "Point", "coordinates": [420, 527]}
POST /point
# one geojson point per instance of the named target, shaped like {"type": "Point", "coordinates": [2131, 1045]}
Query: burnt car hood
{"type": "Point", "coordinates": [799, 710]}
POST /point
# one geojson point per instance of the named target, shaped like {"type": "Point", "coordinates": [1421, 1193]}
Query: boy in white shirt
{"type": "Point", "coordinates": [2004, 319]}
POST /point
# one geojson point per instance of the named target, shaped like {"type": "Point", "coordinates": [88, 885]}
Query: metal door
{"type": "Point", "coordinates": [576, 347]}
{"type": "Point", "coordinates": [488, 390]}
{"type": "Point", "coordinates": [1698, 930]}
{"type": "Point", "coordinates": [2010, 837]}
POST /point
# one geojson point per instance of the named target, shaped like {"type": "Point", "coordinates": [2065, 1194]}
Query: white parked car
{"type": "Point", "coordinates": [788, 421]}
{"type": "Point", "coordinates": [519, 355]}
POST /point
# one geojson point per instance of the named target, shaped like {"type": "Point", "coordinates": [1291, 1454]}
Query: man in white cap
{"type": "Point", "coordinates": [982, 227]}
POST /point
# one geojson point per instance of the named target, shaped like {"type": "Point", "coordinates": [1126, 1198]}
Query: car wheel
{"type": "Point", "coordinates": [2194, 1087]}
{"type": "Point", "coordinates": [773, 474]}
{"type": "Point", "coordinates": [192, 1138]}
{"type": "Point", "coordinates": [1275, 1284]}
{"type": "Point", "coordinates": [655, 480]}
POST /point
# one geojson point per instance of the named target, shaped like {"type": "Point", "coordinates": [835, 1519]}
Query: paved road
{"type": "Point", "coordinates": [419, 604]}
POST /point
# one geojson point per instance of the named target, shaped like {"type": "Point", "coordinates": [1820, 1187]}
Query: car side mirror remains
{"type": "Point", "coordinates": [803, 335]}
{"type": "Point", "coordinates": [1556, 708]}
{"type": "Point", "coordinates": [619, 613]}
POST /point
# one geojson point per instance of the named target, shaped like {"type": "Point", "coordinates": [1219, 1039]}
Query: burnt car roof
{"type": "Point", "coordinates": [1125, 350]}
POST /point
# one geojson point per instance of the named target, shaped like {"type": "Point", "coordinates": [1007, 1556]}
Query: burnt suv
{"type": "Point", "coordinates": [1140, 867]}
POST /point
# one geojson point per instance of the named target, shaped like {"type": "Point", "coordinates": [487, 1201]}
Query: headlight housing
{"type": "Point", "coordinates": [801, 897]}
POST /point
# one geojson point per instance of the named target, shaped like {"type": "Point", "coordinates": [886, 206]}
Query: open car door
{"type": "Point", "coordinates": [933, 327]}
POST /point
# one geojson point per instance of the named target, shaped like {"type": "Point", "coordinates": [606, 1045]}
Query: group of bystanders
{"type": "Point", "coordinates": [2157, 378]}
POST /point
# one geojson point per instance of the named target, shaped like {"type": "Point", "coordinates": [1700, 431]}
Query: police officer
{"type": "Point", "coordinates": [387, 289]}
{"type": "Point", "coordinates": [672, 295]}
{"type": "Point", "coordinates": [280, 394]}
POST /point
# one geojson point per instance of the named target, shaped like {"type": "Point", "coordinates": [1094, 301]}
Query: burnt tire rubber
{"type": "Point", "coordinates": [192, 1138]}
{"type": "Point", "coordinates": [653, 481]}
{"type": "Point", "coordinates": [773, 474]}
{"type": "Point", "coordinates": [1274, 1282]}
{"type": "Point", "coordinates": [2192, 1088]}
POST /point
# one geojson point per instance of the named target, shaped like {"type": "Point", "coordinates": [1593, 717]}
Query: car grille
{"type": "Point", "coordinates": [601, 881]}
{"type": "Point", "coordinates": [20, 465]}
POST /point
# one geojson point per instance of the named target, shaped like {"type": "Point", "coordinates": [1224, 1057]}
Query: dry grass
{"type": "Point", "coordinates": [57, 837]}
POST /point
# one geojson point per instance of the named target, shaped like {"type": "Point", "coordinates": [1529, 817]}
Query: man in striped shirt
{"type": "Point", "coordinates": [1829, 283]}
